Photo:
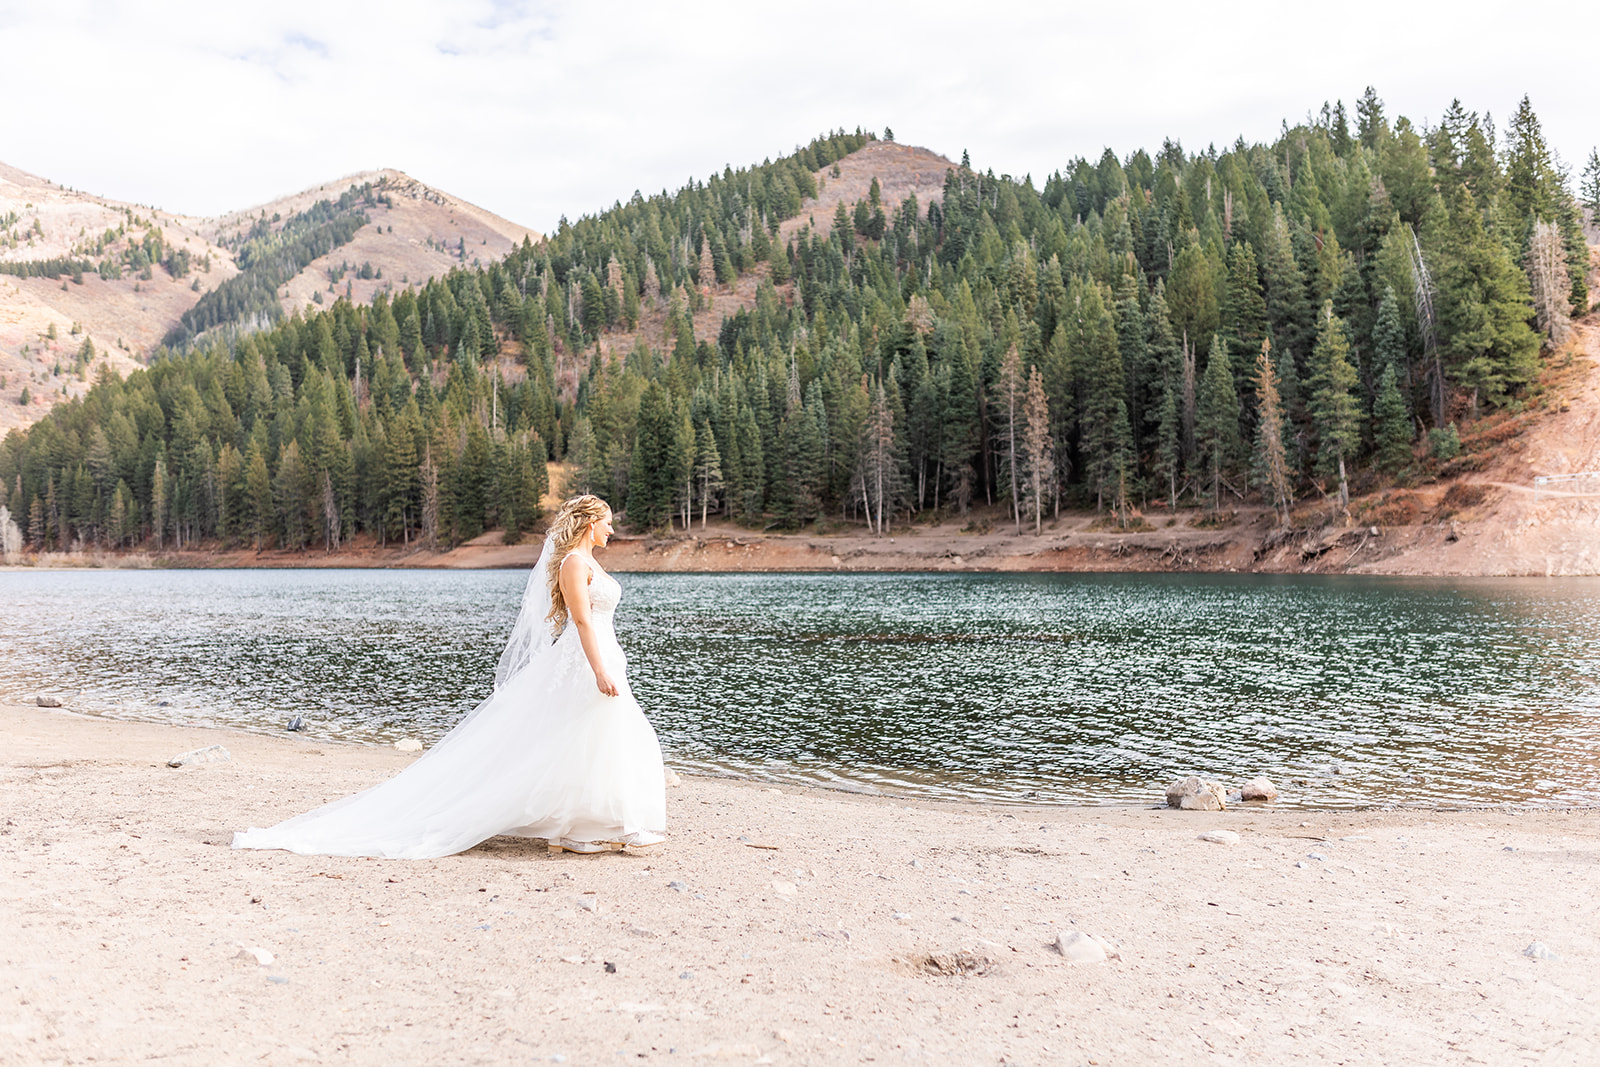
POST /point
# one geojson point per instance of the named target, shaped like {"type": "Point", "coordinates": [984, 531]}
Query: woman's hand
{"type": "Point", "coordinates": [605, 683]}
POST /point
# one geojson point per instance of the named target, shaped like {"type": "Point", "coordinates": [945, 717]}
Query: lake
{"type": "Point", "coordinates": [1057, 689]}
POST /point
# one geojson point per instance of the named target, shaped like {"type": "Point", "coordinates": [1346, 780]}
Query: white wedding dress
{"type": "Point", "coordinates": [546, 756]}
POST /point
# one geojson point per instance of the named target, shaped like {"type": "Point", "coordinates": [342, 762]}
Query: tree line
{"type": "Point", "coordinates": [1282, 319]}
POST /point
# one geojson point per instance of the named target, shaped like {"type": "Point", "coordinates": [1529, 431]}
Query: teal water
{"type": "Point", "coordinates": [1093, 689]}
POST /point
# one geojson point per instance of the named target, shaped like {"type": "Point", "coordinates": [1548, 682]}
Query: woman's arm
{"type": "Point", "coordinates": [575, 579]}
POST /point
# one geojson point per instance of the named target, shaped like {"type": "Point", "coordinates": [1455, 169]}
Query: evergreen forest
{"type": "Point", "coordinates": [1268, 321]}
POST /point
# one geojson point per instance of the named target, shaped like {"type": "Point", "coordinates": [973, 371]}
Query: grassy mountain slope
{"type": "Point", "coordinates": [412, 232]}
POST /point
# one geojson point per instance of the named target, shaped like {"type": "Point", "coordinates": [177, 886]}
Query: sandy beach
{"type": "Point", "coordinates": [801, 926]}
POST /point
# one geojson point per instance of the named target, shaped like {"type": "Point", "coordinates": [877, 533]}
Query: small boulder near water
{"type": "Point", "coordinates": [209, 754]}
{"type": "Point", "coordinates": [46, 700]}
{"type": "Point", "coordinates": [671, 777]}
{"type": "Point", "coordinates": [1258, 789]}
{"type": "Point", "coordinates": [1193, 794]}
{"type": "Point", "coordinates": [408, 744]}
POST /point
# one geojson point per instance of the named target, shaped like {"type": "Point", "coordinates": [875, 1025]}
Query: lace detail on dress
{"type": "Point", "coordinates": [571, 666]}
{"type": "Point", "coordinates": [605, 593]}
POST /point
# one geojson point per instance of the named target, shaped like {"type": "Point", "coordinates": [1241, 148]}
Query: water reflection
{"type": "Point", "coordinates": [1049, 688]}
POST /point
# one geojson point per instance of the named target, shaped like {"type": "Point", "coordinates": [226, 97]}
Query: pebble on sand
{"type": "Point", "coordinates": [408, 744]}
{"type": "Point", "coordinates": [209, 754]}
{"type": "Point", "coordinates": [1193, 794]}
{"type": "Point", "coordinates": [258, 955]}
{"type": "Point", "coordinates": [1258, 789]}
{"type": "Point", "coordinates": [1540, 951]}
{"type": "Point", "coordinates": [1220, 837]}
{"type": "Point", "coordinates": [1078, 947]}
{"type": "Point", "coordinates": [671, 777]}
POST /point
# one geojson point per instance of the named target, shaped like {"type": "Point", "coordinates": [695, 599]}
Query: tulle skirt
{"type": "Point", "coordinates": [546, 756]}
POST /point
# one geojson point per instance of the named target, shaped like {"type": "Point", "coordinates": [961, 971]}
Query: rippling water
{"type": "Point", "coordinates": [1041, 688]}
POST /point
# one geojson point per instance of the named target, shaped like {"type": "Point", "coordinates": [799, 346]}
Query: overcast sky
{"type": "Point", "coordinates": [535, 110]}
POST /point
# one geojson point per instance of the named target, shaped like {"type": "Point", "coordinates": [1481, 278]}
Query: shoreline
{"type": "Point", "coordinates": [860, 788]}
{"type": "Point", "coordinates": [792, 925]}
{"type": "Point", "coordinates": [1076, 544]}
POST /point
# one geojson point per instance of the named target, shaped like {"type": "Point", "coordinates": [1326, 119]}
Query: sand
{"type": "Point", "coordinates": [801, 926]}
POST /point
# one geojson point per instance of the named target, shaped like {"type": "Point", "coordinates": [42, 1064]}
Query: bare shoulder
{"type": "Point", "coordinates": [576, 568]}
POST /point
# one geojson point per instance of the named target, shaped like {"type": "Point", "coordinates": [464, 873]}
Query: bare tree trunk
{"type": "Point", "coordinates": [1422, 298]}
{"type": "Point", "coordinates": [1188, 397]}
{"type": "Point", "coordinates": [1546, 266]}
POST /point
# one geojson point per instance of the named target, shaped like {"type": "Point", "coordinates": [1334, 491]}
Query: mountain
{"type": "Point", "coordinates": [1331, 333]}
{"type": "Point", "coordinates": [900, 170]}
{"type": "Point", "coordinates": [122, 276]}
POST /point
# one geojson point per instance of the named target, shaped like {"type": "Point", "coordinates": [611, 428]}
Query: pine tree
{"type": "Point", "coordinates": [752, 474]}
{"type": "Point", "coordinates": [1169, 445]}
{"type": "Point", "coordinates": [1391, 424]}
{"type": "Point", "coordinates": [1389, 336]}
{"type": "Point", "coordinates": [159, 498]}
{"type": "Point", "coordinates": [400, 479]}
{"type": "Point", "coordinates": [1009, 394]}
{"type": "Point", "coordinates": [258, 494]}
{"type": "Point", "coordinates": [1335, 411]}
{"type": "Point", "coordinates": [1244, 313]}
{"type": "Point", "coordinates": [1104, 434]}
{"type": "Point", "coordinates": [1217, 422]}
{"type": "Point", "coordinates": [960, 421]}
{"type": "Point", "coordinates": [411, 339]}
{"type": "Point", "coordinates": [1535, 192]}
{"type": "Point", "coordinates": [1134, 348]}
{"type": "Point", "coordinates": [1483, 306]}
{"type": "Point", "coordinates": [1590, 188]}
{"type": "Point", "coordinates": [1288, 310]}
{"type": "Point", "coordinates": [652, 481]}
{"type": "Point", "coordinates": [1532, 182]}
{"type": "Point", "coordinates": [1271, 459]}
{"type": "Point", "coordinates": [707, 468]}
{"type": "Point", "coordinates": [1192, 295]}
{"type": "Point", "coordinates": [582, 459]}
{"type": "Point", "coordinates": [428, 482]}
{"type": "Point", "coordinates": [289, 491]}
{"type": "Point", "coordinates": [1372, 129]}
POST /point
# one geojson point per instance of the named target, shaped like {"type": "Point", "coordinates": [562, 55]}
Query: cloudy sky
{"type": "Point", "coordinates": [535, 110]}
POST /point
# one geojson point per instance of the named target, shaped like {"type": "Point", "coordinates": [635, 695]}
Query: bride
{"type": "Point", "coordinates": [560, 750]}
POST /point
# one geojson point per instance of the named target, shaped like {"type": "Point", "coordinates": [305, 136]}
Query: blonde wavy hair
{"type": "Point", "coordinates": [567, 530]}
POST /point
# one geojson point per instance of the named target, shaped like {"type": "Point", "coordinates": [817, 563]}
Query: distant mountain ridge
{"type": "Point", "coordinates": [87, 281]}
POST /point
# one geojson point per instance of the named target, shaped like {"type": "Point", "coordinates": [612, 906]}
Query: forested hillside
{"type": "Point", "coordinates": [1277, 319]}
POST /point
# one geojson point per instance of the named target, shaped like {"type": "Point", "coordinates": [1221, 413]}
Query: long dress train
{"type": "Point", "coordinates": [546, 756]}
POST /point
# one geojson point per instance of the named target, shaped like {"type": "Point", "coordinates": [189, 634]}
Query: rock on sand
{"type": "Point", "coordinates": [209, 754]}
{"type": "Point", "coordinates": [1192, 794]}
{"type": "Point", "coordinates": [1258, 789]}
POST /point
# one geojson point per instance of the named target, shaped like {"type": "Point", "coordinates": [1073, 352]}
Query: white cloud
{"type": "Point", "coordinates": [535, 111]}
